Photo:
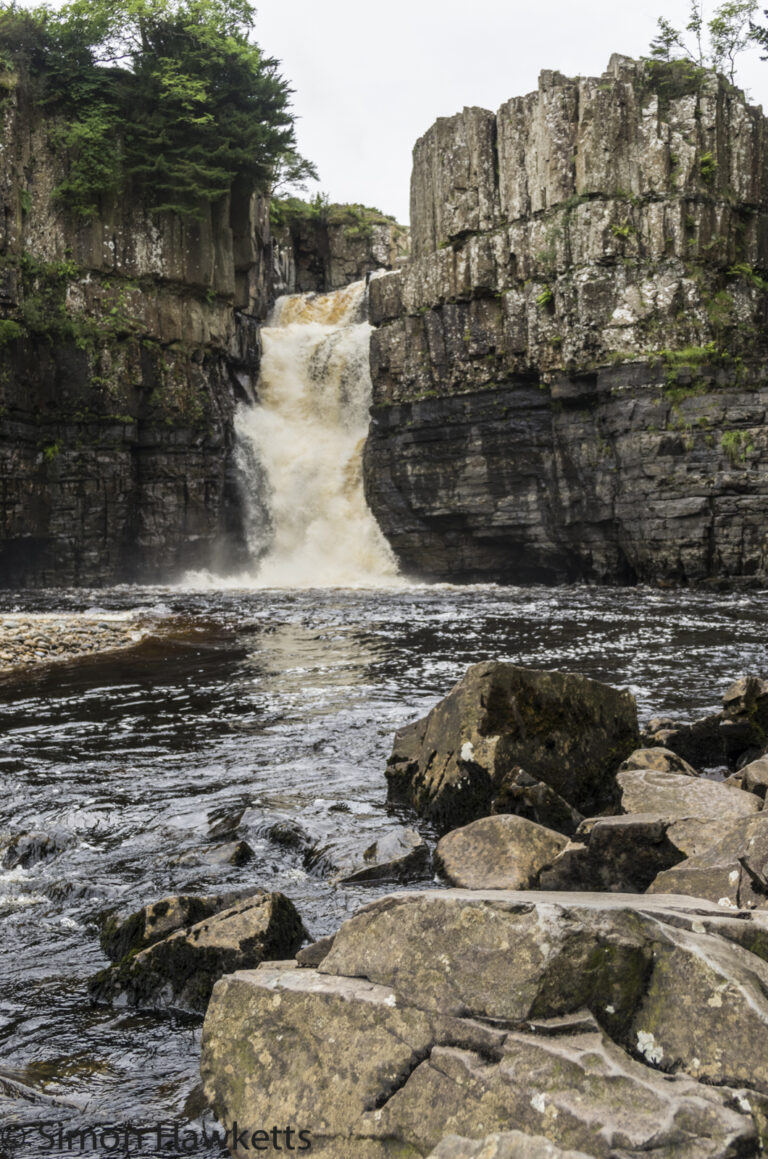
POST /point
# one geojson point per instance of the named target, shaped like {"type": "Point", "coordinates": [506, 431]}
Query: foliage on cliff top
{"type": "Point", "coordinates": [167, 99]}
{"type": "Point", "coordinates": [716, 43]}
{"type": "Point", "coordinates": [294, 214]}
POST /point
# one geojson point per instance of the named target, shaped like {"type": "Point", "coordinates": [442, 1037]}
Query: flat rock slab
{"type": "Point", "coordinates": [500, 852]}
{"type": "Point", "coordinates": [510, 1145]}
{"type": "Point", "coordinates": [673, 795]}
{"type": "Point", "coordinates": [733, 872]}
{"type": "Point", "coordinates": [564, 730]}
{"type": "Point", "coordinates": [554, 1013]}
{"type": "Point", "coordinates": [180, 971]}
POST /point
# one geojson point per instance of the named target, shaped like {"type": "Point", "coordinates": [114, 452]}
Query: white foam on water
{"type": "Point", "coordinates": [306, 436]}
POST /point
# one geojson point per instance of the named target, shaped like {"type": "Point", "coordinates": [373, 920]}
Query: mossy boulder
{"type": "Point", "coordinates": [180, 970]}
{"type": "Point", "coordinates": [564, 730]}
{"type": "Point", "coordinates": [123, 934]}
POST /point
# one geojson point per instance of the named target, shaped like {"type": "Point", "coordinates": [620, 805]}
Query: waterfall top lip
{"type": "Point", "coordinates": [334, 308]}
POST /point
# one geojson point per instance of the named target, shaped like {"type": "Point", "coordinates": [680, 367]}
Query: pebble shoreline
{"type": "Point", "coordinates": [28, 639]}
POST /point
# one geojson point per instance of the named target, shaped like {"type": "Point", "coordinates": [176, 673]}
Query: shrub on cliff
{"type": "Point", "coordinates": [167, 99]}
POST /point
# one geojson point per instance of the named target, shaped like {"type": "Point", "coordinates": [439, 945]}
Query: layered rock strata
{"type": "Point", "coordinates": [569, 375]}
{"type": "Point", "coordinates": [126, 341]}
{"type": "Point", "coordinates": [121, 357]}
{"type": "Point", "coordinates": [335, 245]}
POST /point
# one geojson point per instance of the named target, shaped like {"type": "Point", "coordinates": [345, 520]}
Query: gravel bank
{"type": "Point", "coordinates": [29, 639]}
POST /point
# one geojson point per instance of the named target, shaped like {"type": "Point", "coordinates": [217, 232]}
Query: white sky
{"type": "Point", "coordinates": [369, 78]}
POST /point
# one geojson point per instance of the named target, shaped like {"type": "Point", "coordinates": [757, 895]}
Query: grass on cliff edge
{"type": "Point", "coordinates": [168, 100]}
{"type": "Point", "coordinates": [357, 220]}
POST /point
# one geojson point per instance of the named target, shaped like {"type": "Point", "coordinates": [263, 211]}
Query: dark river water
{"type": "Point", "coordinates": [281, 702]}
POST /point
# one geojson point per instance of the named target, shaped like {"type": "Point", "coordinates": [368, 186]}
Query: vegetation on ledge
{"type": "Point", "coordinates": [294, 214]}
{"type": "Point", "coordinates": [168, 100]}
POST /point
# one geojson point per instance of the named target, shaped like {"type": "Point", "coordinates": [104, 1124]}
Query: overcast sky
{"type": "Point", "coordinates": [371, 77]}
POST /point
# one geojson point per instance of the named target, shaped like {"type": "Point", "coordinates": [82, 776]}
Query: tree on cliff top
{"type": "Point", "coordinates": [170, 99]}
{"type": "Point", "coordinates": [729, 32]}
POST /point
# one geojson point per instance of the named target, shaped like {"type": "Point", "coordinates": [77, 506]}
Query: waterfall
{"type": "Point", "coordinates": [300, 448]}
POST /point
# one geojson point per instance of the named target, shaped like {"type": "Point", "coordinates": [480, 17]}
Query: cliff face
{"type": "Point", "coordinates": [569, 375]}
{"type": "Point", "coordinates": [121, 355]}
{"type": "Point", "coordinates": [126, 341]}
{"type": "Point", "coordinates": [334, 245]}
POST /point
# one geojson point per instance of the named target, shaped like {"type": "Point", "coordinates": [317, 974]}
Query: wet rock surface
{"type": "Point", "coordinates": [570, 1037]}
{"type": "Point", "coordinates": [180, 970]}
{"type": "Point", "coordinates": [399, 856]}
{"type": "Point", "coordinates": [564, 730]}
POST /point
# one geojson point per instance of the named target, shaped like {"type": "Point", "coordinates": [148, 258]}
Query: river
{"type": "Point", "coordinates": [282, 702]}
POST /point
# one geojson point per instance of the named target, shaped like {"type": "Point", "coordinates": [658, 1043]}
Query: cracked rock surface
{"type": "Point", "coordinates": [565, 730]}
{"type": "Point", "coordinates": [615, 1025]}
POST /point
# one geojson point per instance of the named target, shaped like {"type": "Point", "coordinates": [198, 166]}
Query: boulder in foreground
{"type": "Point", "coordinates": [599, 1032]}
{"type": "Point", "coordinates": [564, 730]}
{"type": "Point", "coordinates": [732, 872]}
{"type": "Point", "coordinates": [124, 933]}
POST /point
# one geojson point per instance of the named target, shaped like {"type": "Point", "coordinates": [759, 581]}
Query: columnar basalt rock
{"type": "Point", "coordinates": [569, 375]}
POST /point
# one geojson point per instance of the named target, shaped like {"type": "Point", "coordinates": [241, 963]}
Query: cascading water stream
{"type": "Point", "coordinates": [302, 444]}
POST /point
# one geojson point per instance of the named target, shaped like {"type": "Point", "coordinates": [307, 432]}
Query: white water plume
{"type": "Point", "coordinates": [305, 440]}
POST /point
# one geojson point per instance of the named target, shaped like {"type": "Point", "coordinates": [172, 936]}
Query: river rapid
{"type": "Point", "coordinates": [283, 703]}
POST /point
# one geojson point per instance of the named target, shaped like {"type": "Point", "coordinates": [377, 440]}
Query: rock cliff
{"type": "Point", "coordinates": [569, 375]}
{"type": "Point", "coordinates": [121, 354]}
{"type": "Point", "coordinates": [323, 247]}
{"type": "Point", "coordinates": [126, 341]}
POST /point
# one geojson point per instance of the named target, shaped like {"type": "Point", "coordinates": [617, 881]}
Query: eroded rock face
{"type": "Point", "coordinates": [180, 970]}
{"type": "Point", "coordinates": [503, 852]}
{"type": "Point", "coordinates": [564, 1038]}
{"type": "Point", "coordinates": [527, 423]}
{"type": "Point", "coordinates": [565, 730]}
{"type": "Point", "coordinates": [732, 871]}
